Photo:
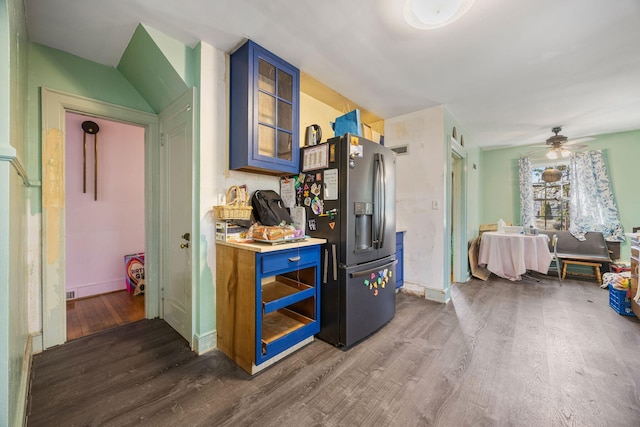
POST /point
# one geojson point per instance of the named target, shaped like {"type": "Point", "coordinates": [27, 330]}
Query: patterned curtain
{"type": "Point", "coordinates": [592, 205]}
{"type": "Point", "coordinates": [526, 193]}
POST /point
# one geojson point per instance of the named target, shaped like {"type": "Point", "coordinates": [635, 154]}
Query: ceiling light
{"type": "Point", "coordinates": [551, 175]}
{"type": "Point", "coordinates": [430, 14]}
{"type": "Point", "coordinates": [564, 152]}
{"type": "Point", "coordinates": [552, 154]}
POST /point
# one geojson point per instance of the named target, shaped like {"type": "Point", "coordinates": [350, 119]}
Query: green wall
{"type": "Point", "coordinates": [500, 187]}
{"type": "Point", "coordinates": [14, 338]}
{"type": "Point", "coordinates": [160, 68]}
{"type": "Point", "coordinates": [68, 73]}
{"type": "Point", "coordinates": [153, 72]}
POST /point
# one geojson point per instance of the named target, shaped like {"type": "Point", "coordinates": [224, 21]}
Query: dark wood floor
{"type": "Point", "coordinates": [500, 354]}
{"type": "Point", "coordinates": [98, 313]}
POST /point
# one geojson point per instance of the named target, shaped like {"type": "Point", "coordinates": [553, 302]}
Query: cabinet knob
{"type": "Point", "coordinates": [294, 259]}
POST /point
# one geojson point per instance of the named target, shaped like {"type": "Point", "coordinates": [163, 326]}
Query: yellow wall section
{"type": "Point", "coordinates": [313, 111]}
{"type": "Point", "coordinates": [328, 96]}
{"type": "Point", "coordinates": [53, 191]}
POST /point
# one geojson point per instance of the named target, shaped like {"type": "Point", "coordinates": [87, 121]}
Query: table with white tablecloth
{"type": "Point", "coordinates": [511, 255]}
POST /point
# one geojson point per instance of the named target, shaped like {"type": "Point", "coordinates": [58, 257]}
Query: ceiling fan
{"type": "Point", "coordinates": [558, 144]}
{"type": "Point", "coordinates": [557, 149]}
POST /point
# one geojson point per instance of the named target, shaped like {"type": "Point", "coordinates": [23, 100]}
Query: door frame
{"type": "Point", "coordinates": [457, 197]}
{"type": "Point", "coordinates": [54, 105]}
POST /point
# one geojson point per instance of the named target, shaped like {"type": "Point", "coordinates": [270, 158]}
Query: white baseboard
{"type": "Point", "coordinates": [433, 294]}
{"type": "Point", "coordinates": [206, 342]}
{"type": "Point", "coordinates": [36, 343]}
{"type": "Point", "coordinates": [255, 369]}
{"type": "Point", "coordinates": [438, 295]}
{"type": "Point", "coordinates": [413, 289]}
{"type": "Point", "coordinates": [98, 288]}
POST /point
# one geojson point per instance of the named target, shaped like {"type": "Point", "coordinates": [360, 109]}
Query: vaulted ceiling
{"type": "Point", "coordinates": [508, 70]}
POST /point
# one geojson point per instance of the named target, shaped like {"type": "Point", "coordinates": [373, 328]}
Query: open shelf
{"type": "Point", "coordinates": [279, 292]}
{"type": "Point", "coordinates": [280, 323]}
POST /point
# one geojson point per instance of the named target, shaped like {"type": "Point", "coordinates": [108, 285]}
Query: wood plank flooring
{"type": "Point", "coordinates": [500, 354]}
{"type": "Point", "coordinates": [98, 313]}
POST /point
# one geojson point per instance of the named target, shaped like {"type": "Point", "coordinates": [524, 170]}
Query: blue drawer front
{"type": "Point", "coordinates": [291, 259]}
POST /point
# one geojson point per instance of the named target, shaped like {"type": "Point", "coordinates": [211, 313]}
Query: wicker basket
{"type": "Point", "coordinates": [235, 208]}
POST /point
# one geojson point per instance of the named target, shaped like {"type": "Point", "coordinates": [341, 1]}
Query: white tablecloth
{"type": "Point", "coordinates": [511, 255]}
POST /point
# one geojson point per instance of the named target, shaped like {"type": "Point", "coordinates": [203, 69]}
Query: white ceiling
{"type": "Point", "coordinates": [507, 70]}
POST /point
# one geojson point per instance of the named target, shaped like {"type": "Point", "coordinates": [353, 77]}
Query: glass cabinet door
{"type": "Point", "coordinates": [275, 111]}
{"type": "Point", "coordinates": [264, 112]}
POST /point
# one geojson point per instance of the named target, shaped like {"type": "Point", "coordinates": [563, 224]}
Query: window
{"type": "Point", "coordinates": [551, 199]}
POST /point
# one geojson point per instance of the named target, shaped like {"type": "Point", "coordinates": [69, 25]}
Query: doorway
{"type": "Point", "coordinates": [452, 219]}
{"type": "Point", "coordinates": [54, 106]}
{"type": "Point", "coordinates": [105, 224]}
{"type": "Point", "coordinates": [459, 258]}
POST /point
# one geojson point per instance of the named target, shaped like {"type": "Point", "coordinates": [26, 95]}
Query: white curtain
{"type": "Point", "coordinates": [592, 205]}
{"type": "Point", "coordinates": [526, 193]}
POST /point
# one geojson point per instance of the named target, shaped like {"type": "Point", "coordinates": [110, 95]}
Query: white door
{"type": "Point", "coordinates": [176, 129]}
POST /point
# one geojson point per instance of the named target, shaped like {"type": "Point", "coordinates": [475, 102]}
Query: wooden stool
{"type": "Point", "coordinates": [596, 268]}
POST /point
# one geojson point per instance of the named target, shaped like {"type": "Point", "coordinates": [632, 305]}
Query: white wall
{"type": "Point", "coordinates": [420, 184]}
{"type": "Point", "coordinates": [214, 178]}
{"type": "Point", "coordinates": [100, 232]}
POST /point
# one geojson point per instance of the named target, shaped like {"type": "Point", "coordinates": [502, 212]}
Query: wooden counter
{"type": "Point", "coordinates": [268, 247]}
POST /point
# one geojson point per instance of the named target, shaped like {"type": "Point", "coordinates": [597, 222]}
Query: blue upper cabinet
{"type": "Point", "coordinates": [265, 112]}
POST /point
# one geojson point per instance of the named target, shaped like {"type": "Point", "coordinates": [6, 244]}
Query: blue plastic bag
{"type": "Point", "coordinates": [348, 123]}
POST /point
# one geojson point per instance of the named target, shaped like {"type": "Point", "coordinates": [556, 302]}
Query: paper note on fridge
{"type": "Point", "coordinates": [331, 184]}
{"type": "Point", "coordinates": [288, 192]}
{"type": "Point", "coordinates": [298, 217]}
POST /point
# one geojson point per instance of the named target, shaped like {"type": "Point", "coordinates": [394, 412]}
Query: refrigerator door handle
{"type": "Point", "coordinates": [326, 266]}
{"type": "Point", "coordinates": [383, 202]}
{"type": "Point", "coordinates": [368, 272]}
{"type": "Point", "coordinates": [335, 262]}
{"type": "Point", "coordinates": [379, 201]}
{"type": "Point", "coordinates": [376, 201]}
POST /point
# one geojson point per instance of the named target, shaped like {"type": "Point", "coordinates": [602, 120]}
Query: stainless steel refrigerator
{"type": "Point", "coordinates": [347, 186]}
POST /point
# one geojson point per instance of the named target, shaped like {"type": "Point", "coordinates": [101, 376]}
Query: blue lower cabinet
{"type": "Point", "coordinates": [267, 302]}
{"type": "Point", "coordinates": [400, 258]}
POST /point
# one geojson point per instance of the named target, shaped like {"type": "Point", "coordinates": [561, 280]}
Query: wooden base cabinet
{"type": "Point", "coordinates": [267, 300]}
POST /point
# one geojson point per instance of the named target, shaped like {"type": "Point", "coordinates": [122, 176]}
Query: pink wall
{"type": "Point", "coordinates": [99, 233]}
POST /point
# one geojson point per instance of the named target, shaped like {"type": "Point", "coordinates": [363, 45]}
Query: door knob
{"type": "Point", "coordinates": [186, 236]}
{"type": "Point", "coordinates": [184, 245]}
